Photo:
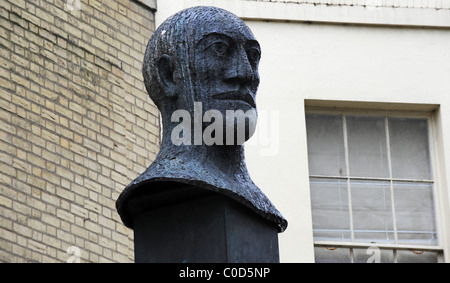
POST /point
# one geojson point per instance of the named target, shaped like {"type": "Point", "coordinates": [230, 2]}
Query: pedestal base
{"type": "Point", "coordinates": [212, 228]}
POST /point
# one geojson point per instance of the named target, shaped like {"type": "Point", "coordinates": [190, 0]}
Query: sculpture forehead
{"type": "Point", "coordinates": [231, 26]}
{"type": "Point", "coordinates": [202, 21]}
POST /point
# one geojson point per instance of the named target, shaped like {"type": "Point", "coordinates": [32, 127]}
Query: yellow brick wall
{"type": "Point", "coordinates": [76, 126]}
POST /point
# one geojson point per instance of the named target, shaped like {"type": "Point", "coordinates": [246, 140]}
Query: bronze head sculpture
{"type": "Point", "coordinates": [201, 71]}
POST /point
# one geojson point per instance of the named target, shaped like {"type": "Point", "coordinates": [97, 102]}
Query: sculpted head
{"type": "Point", "coordinates": [207, 55]}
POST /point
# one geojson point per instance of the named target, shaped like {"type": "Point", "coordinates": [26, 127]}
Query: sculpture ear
{"type": "Point", "coordinates": [166, 68]}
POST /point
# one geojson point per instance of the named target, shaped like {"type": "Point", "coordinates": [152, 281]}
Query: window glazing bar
{"type": "Point", "coordinates": [349, 190]}
{"type": "Point", "coordinates": [336, 244]}
{"type": "Point", "coordinates": [372, 179]}
{"type": "Point", "coordinates": [388, 147]}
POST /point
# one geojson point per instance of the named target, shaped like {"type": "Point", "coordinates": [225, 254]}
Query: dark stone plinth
{"type": "Point", "coordinates": [208, 227]}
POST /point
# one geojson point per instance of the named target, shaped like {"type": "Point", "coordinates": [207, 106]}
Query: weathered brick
{"type": "Point", "coordinates": [65, 215]}
{"type": "Point", "coordinates": [65, 194]}
{"type": "Point", "coordinates": [5, 201]}
{"type": "Point", "coordinates": [37, 225]}
{"type": "Point", "coordinates": [8, 235]}
{"type": "Point", "coordinates": [22, 230]}
{"type": "Point", "coordinates": [92, 226]}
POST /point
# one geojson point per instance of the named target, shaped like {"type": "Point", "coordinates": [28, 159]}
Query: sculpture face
{"type": "Point", "coordinates": [224, 63]}
{"type": "Point", "coordinates": [225, 68]}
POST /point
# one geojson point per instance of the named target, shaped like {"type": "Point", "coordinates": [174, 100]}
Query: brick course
{"type": "Point", "coordinates": [76, 126]}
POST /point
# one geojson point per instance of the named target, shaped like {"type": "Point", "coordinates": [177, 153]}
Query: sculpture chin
{"type": "Point", "coordinates": [239, 126]}
{"type": "Point", "coordinates": [239, 131]}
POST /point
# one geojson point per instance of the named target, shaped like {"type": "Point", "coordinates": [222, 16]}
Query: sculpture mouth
{"type": "Point", "coordinates": [236, 95]}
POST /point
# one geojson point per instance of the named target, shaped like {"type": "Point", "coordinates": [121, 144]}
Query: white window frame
{"type": "Point", "coordinates": [437, 195]}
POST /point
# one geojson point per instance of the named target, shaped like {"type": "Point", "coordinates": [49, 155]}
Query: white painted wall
{"type": "Point", "coordinates": [345, 63]}
{"type": "Point", "coordinates": [334, 62]}
{"type": "Point", "coordinates": [384, 12]}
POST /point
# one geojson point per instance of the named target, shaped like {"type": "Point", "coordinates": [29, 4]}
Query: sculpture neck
{"type": "Point", "coordinates": [230, 159]}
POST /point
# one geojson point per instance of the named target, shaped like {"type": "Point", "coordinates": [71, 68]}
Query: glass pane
{"type": "Point", "coordinates": [330, 213]}
{"type": "Point", "coordinates": [367, 150]}
{"type": "Point", "coordinates": [414, 256]}
{"type": "Point", "coordinates": [414, 211]}
{"type": "Point", "coordinates": [332, 255]}
{"type": "Point", "coordinates": [325, 145]}
{"type": "Point", "coordinates": [372, 211]}
{"type": "Point", "coordinates": [373, 255]}
{"type": "Point", "coordinates": [409, 148]}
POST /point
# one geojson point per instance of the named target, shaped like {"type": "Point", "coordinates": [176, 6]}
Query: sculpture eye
{"type": "Point", "coordinates": [253, 55]}
{"type": "Point", "coordinates": [220, 48]}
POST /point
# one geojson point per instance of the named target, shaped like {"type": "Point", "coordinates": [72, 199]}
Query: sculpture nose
{"type": "Point", "coordinates": [240, 71]}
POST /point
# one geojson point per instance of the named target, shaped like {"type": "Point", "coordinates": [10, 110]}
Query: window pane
{"type": "Point", "coordinates": [373, 255]}
{"type": "Point", "coordinates": [404, 256]}
{"type": "Point", "coordinates": [367, 151]}
{"type": "Point", "coordinates": [330, 209]}
{"type": "Point", "coordinates": [332, 255]}
{"type": "Point", "coordinates": [372, 211]}
{"type": "Point", "coordinates": [325, 145]}
{"type": "Point", "coordinates": [414, 213]}
{"type": "Point", "coordinates": [372, 199]}
{"type": "Point", "coordinates": [409, 148]}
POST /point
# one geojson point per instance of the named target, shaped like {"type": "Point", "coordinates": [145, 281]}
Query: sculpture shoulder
{"type": "Point", "coordinates": [169, 174]}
